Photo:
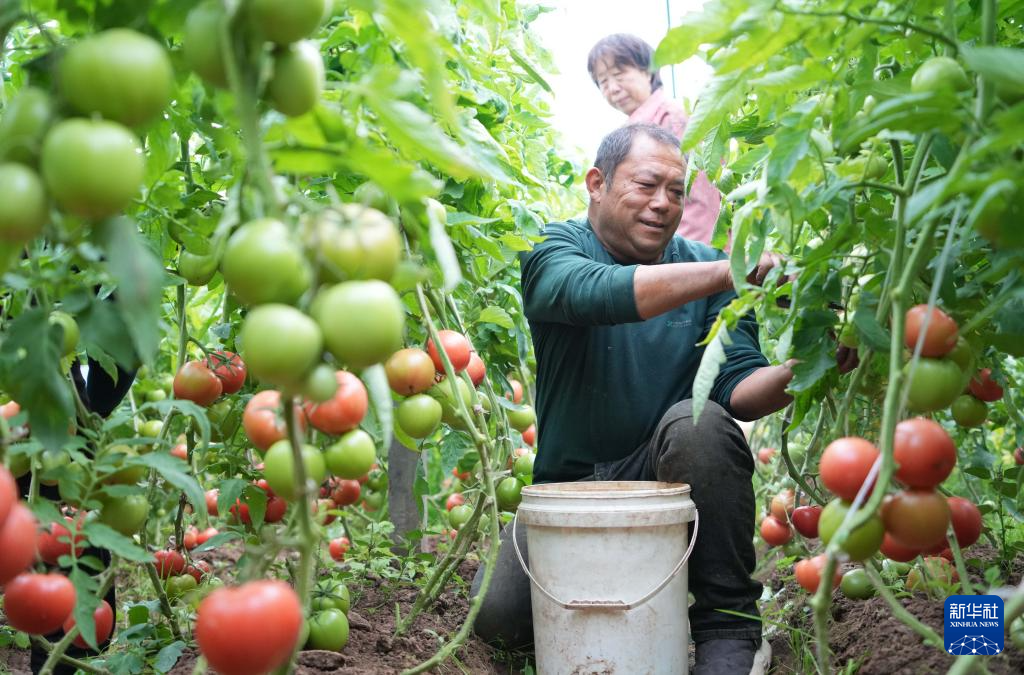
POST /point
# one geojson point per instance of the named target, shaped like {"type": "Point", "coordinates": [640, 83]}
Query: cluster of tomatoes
{"type": "Point", "coordinates": [39, 603]}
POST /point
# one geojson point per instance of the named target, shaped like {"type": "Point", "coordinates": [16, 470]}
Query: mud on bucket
{"type": "Point", "coordinates": [608, 575]}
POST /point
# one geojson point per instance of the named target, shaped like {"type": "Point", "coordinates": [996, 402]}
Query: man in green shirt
{"type": "Point", "coordinates": [616, 305]}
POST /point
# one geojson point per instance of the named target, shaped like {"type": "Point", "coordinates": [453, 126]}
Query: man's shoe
{"type": "Point", "coordinates": [732, 657]}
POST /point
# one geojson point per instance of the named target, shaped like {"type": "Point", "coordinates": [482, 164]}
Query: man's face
{"type": "Point", "coordinates": [624, 87]}
{"type": "Point", "coordinates": [637, 212]}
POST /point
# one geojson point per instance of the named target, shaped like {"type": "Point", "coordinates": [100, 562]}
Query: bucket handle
{"type": "Point", "coordinates": [606, 604]}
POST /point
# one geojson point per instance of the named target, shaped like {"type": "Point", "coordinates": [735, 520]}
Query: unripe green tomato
{"type": "Point", "coordinates": [331, 594]}
{"type": "Point", "coordinates": [177, 586]}
{"type": "Point", "coordinates": [285, 22]}
{"type": "Point", "coordinates": [23, 206]}
{"type": "Point", "coordinates": [509, 493]}
{"type": "Point", "coordinates": [280, 344]}
{"type": "Point", "coordinates": [197, 270]}
{"type": "Point", "coordinates": [848, 336]}
{"type": "Point", "coordinates": [121, 74]}
{"type": "Point", "coordinates": [419, 415]}
{"type": "Point", "coordinates": [203, 42]}
{"type": "Point", "coordinates": [328, 630]}
{"type": "Point", "coordinates": [352, 455]}
{"type": "Point", "coordinates": [861, 543]}
{"type": "Point", "coordinates": [279, 467]}
{"type": "Point", "coordinates": [355, 242]}
{"type": "Point", "coordinates": [523, 467]}
{"type": "Point", "coordinates": [521, 418]}
{"type": "Point", "coordinates": [23, 124]}
{"type": "Point", "coordinates": [363, 322]}
{"type": "Point", "coordinates": [935, 385]}
{"type": "Point", "coordinates": [129, 475]}
{"type": "Point", "coordinates": [92, 168]}
{"type": "Point", "coordinates": [856, 585]}
{"type": "Point", "coordinates": [298, 79]}
{"type": "Point", "coordinates": [459, 516]}
{"type": "Point", "coordinates": [969, 411]}
{"type": "Point", "coordinates": [69, 327]}
{"type": "Point", "coordinates": [19, 464]}
{"type": "Point", "coordinates": [262, 263]}
{"type": "Point", "coordinates": [377, 480]}
{"type": "Point", "coordinates": [151, 428]}
{"type": "Point", "coordinates": [939, 74]}
{"type": "Point", "coordinates": [321, 384]}
{"type": "Point", "coordinates": [51, 460]}
{"type": "Point", "coordinates": [125, 514]}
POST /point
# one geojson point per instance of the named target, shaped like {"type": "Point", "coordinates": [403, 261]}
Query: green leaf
{"type": "Point", "coordinates": [871, 332]}
{"type": "Point", "coordinates": [29, 372]}
{"type": "Point", "coordinates": [710, 364]}
{"type": "Point", "coordinates": [101, 536]}
{"type": "Point", "coordinates": [496, 315]}
{"type": "Point", "coordinates": [722, 95]}
{"type": "Point", "coordinates": [174, 471]}
{"type": "Point", "coordinates": [86, 603]}
{"type": "Point", "coordinates": [377, 386]}
{"type": "Point", "coordinates": [140, 279]}
{"type": "Point", "coordinates": [228, 493]}
{"type": "Point", "coordinates": [1004, 66]}
{"type": "Point", "coordinates": [442, 245]}
{"type": "Point", "coordinates": [696, 28]}
{"type": "Point", "coordinates": [168, 656]}
{"type": "Point", "coordinates": [530, 69]}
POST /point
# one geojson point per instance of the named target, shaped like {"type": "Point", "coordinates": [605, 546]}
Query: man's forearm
{"type": "Point", "coordinates": [660, 288]}
{"type": "Point", "coordinates": [762, 392]}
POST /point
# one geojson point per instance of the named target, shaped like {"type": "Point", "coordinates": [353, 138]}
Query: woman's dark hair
{"type": "Point", "coordinates": [624, 50]}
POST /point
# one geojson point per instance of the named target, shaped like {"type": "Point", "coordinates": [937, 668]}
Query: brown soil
{"type": "Point", "coordinates": [865, 633]}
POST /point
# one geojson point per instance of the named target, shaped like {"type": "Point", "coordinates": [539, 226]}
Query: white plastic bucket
{"type": "Point", "coordinates": [608, 576]}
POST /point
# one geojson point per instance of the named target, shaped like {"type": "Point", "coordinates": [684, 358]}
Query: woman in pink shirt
{"type": "Point", "coordinates": [620, 66]}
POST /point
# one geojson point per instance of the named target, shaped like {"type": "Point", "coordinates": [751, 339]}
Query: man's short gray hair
{"type": "Point", "coordinates": [618, 143]}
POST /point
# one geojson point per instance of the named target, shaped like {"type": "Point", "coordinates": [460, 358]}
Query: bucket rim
{"type": "Point", "coordinates": [607, 489]}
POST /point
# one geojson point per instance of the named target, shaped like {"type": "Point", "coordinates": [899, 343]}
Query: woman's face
{"type": "Point", "coordinates": [624, 87]}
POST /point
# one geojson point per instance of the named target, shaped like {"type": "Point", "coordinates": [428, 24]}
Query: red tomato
{"type": "Point", "coordinates": [808, 573]}
{"type": "Point", "coordinates": [38, 603]}
{"type": "Point", "coordinates": [276, 508]}
{"type": "Point", "coordinates": [103, 616]}
{"type": "Point", "coordinates": [191, 538]}
{"type": "Point", "coordinates": [966, 520]}
{"type": "Point", "coordinates": [517, 391]}
{"type": "Point", "coordinates": [8, 493]}
{"type": "Point", "coordinates": [410, 371]}
{"type": "Point", "coordinates": [263, 419]}
{"type": "Point", "coordinates": [17, 542]}
{"type": "Point", "coordinates": [775, 532]}
{"type": "Point", "coordinates": [206, 535]}
{"type": "Point", "coordinates": [169, 563]}
{"type": "Point", "coordinates": [454, 499]}
{"type": "Point", "coordinates": [321, 511]}
{"type": "Point", "coordinates": [476, 369]}
{"type": "Point", "coordinates": [211, 501]}
{"type": "Point", "coordinates": [894, 550]}
{"type": "Point", "coordinates": [180, 451]}
{"type": "Point", "coordinates": [197, 383]}
{"type": "Point", "coordinates": [338, 547]}
{"type": "Point", "coordinates": [1018, 456]}
{"type": "Point", "coordinates": [764, 455]}
{"type": "Point", "coordinates": [530, 435]}
{"type": "Point", "coordinates": [252, 628]}
{"type": "Point", "coordinates": [984, 387]}
{"type": "Point", "coordinates": [916, 518]}
{"type": "Point", "coordinates": [516, 454]}
{"type": "Point", "coordinates": [263, 484]}
{"type": "Point", "coordinates": [198, 569]}
{"type": "Point", "coordinates": [940, 336]}
{"type": "Point", "coordinates": [805, 520]}
{"type": "Point", "coordinates": [924, 452]}
{"type": "Point", "coordinates": [347, 492]}
{"type": "Point", "coordinates": [56, 541]}
{"type": "Point", "coordinates": [462, 475]}
{"type": "Point", "coordinates": [10, 409]}
{"type": "Point", "coordinates": [345, 410]}
{"type": "Point", "coordinates": [845, 465]}
{"type": "Point", "coordinates": [455, 345]}
{"type": "Point", "coordinates": [229, 368]}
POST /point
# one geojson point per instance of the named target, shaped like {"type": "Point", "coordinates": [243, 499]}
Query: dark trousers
{"type": "Point", "coordinates": [714, 459]}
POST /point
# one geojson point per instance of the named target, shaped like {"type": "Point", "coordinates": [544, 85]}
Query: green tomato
{"type": "Point", "coordinates": [863, 542]}
{"type": "Point", "coordinates": [19, 465]}
{"type": "Point", "coordinates": [856, 585]}
{"type": "Point", "coordinates": [321, 384]}
{"type": "Point", "coordinates": [459, 516]}
{"type": "Point", "coordinates": [521, 417]}
{"type": "Point", "coordinates": [442, 391]}
{"type": "Point", "coordinates": [151, 428]}
{"type": "Point", "coordinates": [373, 500]}
{"type": "Point", "coordinates": [523, 467]}
{"type": "Point", "coordinates": [939, 74]}
{"type": "Point", "coordinates": [362, 321]}
{"type": "Point", "coordinates": [69, 328]}
{"type": "Point", "coordinates": [279, 468]}
{"type": "Point", "coordinates": [23, 206]}
{"type": "Point", "coordinates": [509, 493]}
{"type": "Point", "coordinates": [262, 263]}
{"type": "Point", "coordinates": [127, 515]}
{"type": "Point", "coordinates": [298, 79]}
{"type": "Point", "coordinates": [178, 585]}
{"type": "Point", "coordinates": [377, 480]}
{"type": "Point", "coordinates": [280, 344]}
{"type": "Point", "coordinates": [969, 411]}
{"type": "Point", "coordinates": [331, 594]}
{"type": "Point", "coordinates": [197, 270]}
{"type": "Point", "coordinates": [52, 461]}
{"type": "Point", "coordinates": [203, 42]}
{"type": "Point", "coordinates": [355, 242]}
{"type": "Point", "coordinates": [285, 22]}
{"type": "Point", "coordinates": [129, 475]}
{"type": "Point", "coordinates": [93, 168]}
{"type": "Point", "coordinates": [23, 125]}
{"type": "Point", "coordinates": [797, 453]}
{"type": "Point", "coordinates": [419, 415]}
{"type": "Point", "coordinates": [328, 630]}
{"type": "Point", "coordinates": [936, 384]}
{"type": "Point", "coordinates": [156, 395]}
{"type": "Point", "coordinates": [121, 74]}
{"type": "Point", "coordinates": [352, 455]}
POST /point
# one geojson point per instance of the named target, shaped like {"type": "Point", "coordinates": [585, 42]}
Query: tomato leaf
{"type": "Point", "coordinates": [722, 95]}
{"type": "Point", "coordinates": [168, 656]}
{"type": "Point", "coordinates": [1004, 66]}
{"type": "Point", "coordinates": [102, 536]}
{"type": "Point", "coordinates": [86, 603]}
{"type": "Point", "coordinates": [710, 25]}
{"type": "Point", "coordinates": [377, 387]}
{"type": "Point", "coordinates": [497, 316]}
{"type": "Point", "coordinates": [710, 364]}
{"type": "Point", "coordinates": [173, 471]}
{"type": "Point", "coordinates": [228, 493]}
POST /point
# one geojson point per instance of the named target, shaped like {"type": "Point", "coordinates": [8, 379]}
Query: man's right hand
{"type": "Point", "coordinates": [763, 267]}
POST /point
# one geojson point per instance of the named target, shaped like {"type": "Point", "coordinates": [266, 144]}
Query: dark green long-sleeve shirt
{"type": "Point", "coordinates": [605, 377]}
